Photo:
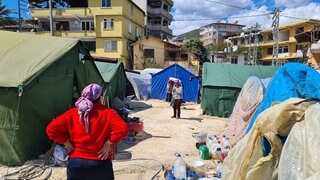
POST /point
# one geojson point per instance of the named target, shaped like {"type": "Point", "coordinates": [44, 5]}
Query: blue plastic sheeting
{"type": "Point", "coordinates": [291, 80]}
{"type": "Point", "coordinates": [160, 79]}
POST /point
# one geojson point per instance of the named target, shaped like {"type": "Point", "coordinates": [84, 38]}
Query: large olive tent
{"type": "Point", "coordinates": [114, 75]}
{"type": "Point", "coordinates": [222, 83]}
{"type": "Point", "coordinates": [40, 76]}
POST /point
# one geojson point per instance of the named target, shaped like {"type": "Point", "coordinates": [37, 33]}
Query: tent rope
{"type": "Point", "coordinates": [20, 91]}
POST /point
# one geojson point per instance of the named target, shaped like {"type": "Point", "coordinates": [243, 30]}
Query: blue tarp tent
{"type": "Point", "coordinates": [159, 83]}
{"type": "Point", "coordinates": [291, 80]}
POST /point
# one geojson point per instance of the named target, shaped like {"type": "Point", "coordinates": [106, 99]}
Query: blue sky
{"type": "Point", "coordinates": [186, 10]}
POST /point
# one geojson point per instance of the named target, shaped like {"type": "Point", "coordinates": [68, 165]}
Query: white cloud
{"type": "Point", "coordinates": [187, 9]}
{"type": "Point", "coordinates": [290, 3]}
{"type": "Point", "coordinates": [196, 9]}
{"type": "Point", "coordinates": [263, 20]}
{"type": "Point", "coordinates": [309, 11]}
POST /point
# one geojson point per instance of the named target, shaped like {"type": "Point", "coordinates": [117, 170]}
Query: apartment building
{"type": "Point", "coordinates": [289, 48]}
{"type": "Point", "coordinates": [159, 18]}
{"type": "Point", "coordinates": [243, 48]}
{"type": "Point", "coordinates": [215, 33]}
{"type": "Point", "coordinates": [108, 28]}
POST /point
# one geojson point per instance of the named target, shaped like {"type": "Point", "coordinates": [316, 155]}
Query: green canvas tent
{"type": "Point", "coordinates": [114, 76]}
{"type": "Point", "coordinates": [40, 76]}
{"type": "Point", "coordinates": [222, 83]}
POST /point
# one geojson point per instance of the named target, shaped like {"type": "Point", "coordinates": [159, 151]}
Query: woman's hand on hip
{"type": "Point", "coordinates": [69, 146]}
{"type": "Point", "coordinates": [104, 152]}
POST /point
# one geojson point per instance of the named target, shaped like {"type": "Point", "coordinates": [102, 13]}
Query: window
{"type": "Point", "coordinates": [63, 26]}
{"type": "Point", "coordinates": [87, 26]}
{"type": "Point", "coordinates": [129, 28]}
{"type": "Point", "coordinates": [184, 56]}
{"type": "Point", "coordinates": [270, 37]}
{"type": "Point", "coordinates": [148, 53]}
{"type": "Point", "coordinates": [300, 30]}
{"type": "Point", "coordinates": [283, 49]}
{"type": "Point", "coordinates": [105, 3]}
{"type": "Point", "coordinates": [110, 46]}
{"type": "Point", "coordinates": [108, 24]}
{"type": "Point", "coordinates": [90, 45]}
{"type": "Point", "coordinates": [131, 9]}
{"type": "Point", "coordinates": [269, 50]}
{"type": "Point", "coordinates": [234, 60]}
{"type": "Point", "coordinates": [172, 54]}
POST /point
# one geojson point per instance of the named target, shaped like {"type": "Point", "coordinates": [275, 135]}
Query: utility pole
{"type": "Point", "coordinates": [255, 44]}
{"type": "Point", "coordinates": [275, 34]}
{"type": "Point", "coordinates": [19, 15]}
{"type": "Point", "coordinates": [250, 47]}
{"type": "Point", "coordinates": [51, 19]}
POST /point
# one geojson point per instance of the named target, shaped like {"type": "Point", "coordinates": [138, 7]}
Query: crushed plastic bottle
{"type": "Point", "coordinates": [180, 168]}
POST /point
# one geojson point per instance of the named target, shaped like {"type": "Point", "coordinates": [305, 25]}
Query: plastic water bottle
{"type": "Point", "coordinates": [219, 168]}
{"type": "Point", "coordinates": [180, 168]}
{"type": "Point", "coordinates": [224, 139]}
{"type": "Point", "coordinates": [170, 175]}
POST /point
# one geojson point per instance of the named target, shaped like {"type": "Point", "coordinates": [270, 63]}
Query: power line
{"type": "Point", "coordinates": [233, 6]}
{"type": "Point", "coordinates": [232, 17]}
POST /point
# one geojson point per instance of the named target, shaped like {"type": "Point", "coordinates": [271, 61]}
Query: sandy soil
{"type": "Point", "coordinates": [157, 145]}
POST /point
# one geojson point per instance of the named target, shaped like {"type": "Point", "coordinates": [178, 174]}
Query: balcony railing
{"type": "Point", "coordinates": [75, 34]}
{"type": "Point", "coordinates": [159, 27]}
{"type": "Point", "coordinates": [159, 11]}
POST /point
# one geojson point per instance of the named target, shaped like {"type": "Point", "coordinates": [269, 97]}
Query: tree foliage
{"type": "Point", "coordinates": [195, 46]}
{"type": "Point", "coordinates": [5, 18]}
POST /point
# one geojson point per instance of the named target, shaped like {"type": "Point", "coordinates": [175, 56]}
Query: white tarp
{"type": "Point", "coordinates": [141, 84]}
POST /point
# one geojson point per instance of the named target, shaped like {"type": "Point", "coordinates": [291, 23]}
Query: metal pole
{"type": "Point", "coordinates": [19, 15]}
{"type": "Point", "coordinates": [51, 20]}
{"type": "Point", "coordinates": [275, 34]}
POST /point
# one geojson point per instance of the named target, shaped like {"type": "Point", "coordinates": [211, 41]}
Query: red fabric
{"type": "Point", "coordinates": [105, 124]}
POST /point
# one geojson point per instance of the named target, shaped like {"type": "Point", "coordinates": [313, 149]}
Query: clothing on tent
{"type": "Point", "coordinates": [248, 100]}
{"type": "Point", "coordinates": [245, 160]}
{"type": "Point", "coordinates": [300, 154]}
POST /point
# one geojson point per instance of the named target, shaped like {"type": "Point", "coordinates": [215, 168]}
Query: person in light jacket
{"type": "Point", "coordinates": [177, 99]}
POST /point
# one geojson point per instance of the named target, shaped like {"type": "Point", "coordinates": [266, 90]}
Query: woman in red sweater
{"type": "Point", "coordinates": [87, 131]}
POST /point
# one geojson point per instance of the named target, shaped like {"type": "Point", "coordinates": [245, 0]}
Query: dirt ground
{"type": "Point", "coordinates": [163, 136]}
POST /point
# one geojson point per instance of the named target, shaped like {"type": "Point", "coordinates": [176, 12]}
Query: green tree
{"type": "Point", "coordinates": [195, 46]}
{"type": "Point", "coordinates": [5, 18]}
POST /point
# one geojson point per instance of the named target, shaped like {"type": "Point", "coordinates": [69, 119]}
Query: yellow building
{"type": "Point", "coordinates": [108, 28]}
{"type": "Point", "coordinates": [289, 48]}
{"type": "Point", "coordinates": [152, 52]}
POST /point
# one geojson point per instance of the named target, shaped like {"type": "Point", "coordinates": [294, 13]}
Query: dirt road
{"type": "Point", "coordinates": [163, 136]}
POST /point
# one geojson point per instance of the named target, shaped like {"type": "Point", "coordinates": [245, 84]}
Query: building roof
{"type": "Point", "coordinates": [294, 24]}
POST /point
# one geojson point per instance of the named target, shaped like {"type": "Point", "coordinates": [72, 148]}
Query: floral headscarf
{"type": "Point", "coordinates": [84, 103]}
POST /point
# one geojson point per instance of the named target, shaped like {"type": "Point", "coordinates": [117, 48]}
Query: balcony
{"type": "Point", "coordinates": [159, 27]}
{"type": "Point", "coordinates": [82, 12]}
{"type": "Point", "coordinates": [169, 2]}
{"type": "Point", "coordinates": [159, 12]}
{"type": "Point", "coordinates": [70, 34]}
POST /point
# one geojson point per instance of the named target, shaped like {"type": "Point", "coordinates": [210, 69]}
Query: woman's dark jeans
{"type": "Point", "coordinates": [84, 169]}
